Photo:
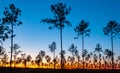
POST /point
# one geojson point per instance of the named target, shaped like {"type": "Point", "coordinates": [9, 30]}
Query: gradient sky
{"type": "Point", "coordinates": [34, 36]}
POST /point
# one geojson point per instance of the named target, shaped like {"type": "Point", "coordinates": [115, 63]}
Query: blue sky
{"type": "Point", "coordinates": [34, 36]}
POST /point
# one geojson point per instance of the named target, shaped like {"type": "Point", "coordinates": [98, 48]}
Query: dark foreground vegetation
{"type": "Point", "coordinates": [38, 70]}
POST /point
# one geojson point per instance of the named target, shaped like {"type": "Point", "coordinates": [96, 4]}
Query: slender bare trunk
{"type": "Point", "coordinates": [72, 60]}
{"type": "Point", "coordinates": [119, 65]}
{"type": "Point", "coordinates": [105, 64]}
{"type": "Point", "coordinates": [78, 61]}
{"type": "Point", "coordinates": [83, 48]}
{"type": "Point", "coordinates": [61, 47]}
{"type": "Point", "coordinates": [11, 47]}
{"type": "Point", "coordinates": [99, 60]}
{"type": "Point", "coordinates": [14, 60]}
{"type": "Point", "coordinates": [54, 59]}
{"type": "Point", "coordinates": [112, 50]}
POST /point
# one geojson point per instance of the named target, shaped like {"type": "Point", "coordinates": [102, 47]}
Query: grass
{"type": "Point", "coordinates": [38, 70]}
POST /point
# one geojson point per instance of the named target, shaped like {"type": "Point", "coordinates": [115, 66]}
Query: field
{"type": "Point", "coordinates": [31, 70]}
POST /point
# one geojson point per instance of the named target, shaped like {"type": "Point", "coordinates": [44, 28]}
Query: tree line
{"type": "Point", "coordinates": [59, 21]}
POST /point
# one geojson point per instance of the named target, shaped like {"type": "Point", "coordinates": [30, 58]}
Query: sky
{"type": "Point", "coordinates": [34, 36]}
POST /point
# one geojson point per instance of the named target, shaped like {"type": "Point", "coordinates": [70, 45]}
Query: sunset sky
{"type": "Point", "coordinates": [34, 36]}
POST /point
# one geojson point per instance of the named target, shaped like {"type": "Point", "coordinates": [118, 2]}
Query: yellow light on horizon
{"type": "Point", "coordinates": [91, 66]}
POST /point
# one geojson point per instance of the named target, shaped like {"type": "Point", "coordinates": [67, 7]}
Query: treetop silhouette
{"type": "Point", "coordinates": [82, 29]}
{"type": "Point", "coordinates": [111, 27]}
{"type": "Point", "coordinates": [60, 11]}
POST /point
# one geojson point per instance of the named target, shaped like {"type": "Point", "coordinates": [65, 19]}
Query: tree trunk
{"type": "Point", "coordinates": [99, 60]}
{"type": "Point", "coordinates": [14, 60]}
{"type": "Point", "coordinates": [54, 59]}
{"type": "Point", "coordinates": [105, 64]}
{"type": "Point", "coordinates": [11, 47]}
{"type": "Point", "coordinates": [78, 62]}
{"type": "Point", "coordinates": [72, 61]}
{"type": "Point", "coordinates": [61, 47]}
{"type": "Point", "coordinates": [119, 65]}
{"type": "Point", "coordinates": [112, 48]}
{"type": "Point", "coordinates": [83, 48]}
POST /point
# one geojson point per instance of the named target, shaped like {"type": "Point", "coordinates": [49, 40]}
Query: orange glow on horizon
{"type": "Point", "coordinates": [57, 66]}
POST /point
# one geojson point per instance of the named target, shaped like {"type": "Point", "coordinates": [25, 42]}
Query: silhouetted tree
{"type": "Point", "coordinates": [78, 56]}
{"type": "Point", "coordinates": [60, 11]}
{"type": "Point", "coordinates": [11, 15]}
{"type": "Point", "coordinates": [16, 52]}
{"type": "Point", "coordinates": [95, 58]}
{"type": "Point", "coordinates": [84, 54]}
{"type": "Point", "coordinates": [105, 62]}
{"type": "Point", "coordinates": [92, 58]}
{"type": "Point", "coordinates": [87, 59]}
{"type": "Point", "coordinates": [38, 59]}
{"type": "Point", "coordinates": [52, 48]}
{"type": "Point", "coordinates": [83, 31]}
{"type": "Point", "coordinates": [42, 54]}
{"type": "Point", "coordinates": [48, 58]}
{"type": "Point", "coordinates": [62, 53]}
{"type": "Point", "coordinates": [3, 55]}
{"type": "Point", "coordinates": [19, 60]}
{"type": "Point", "coordinates": [108, 54]}
{"type": "Point", "coordinates": [4, 34]}
{"type": "Point", "coordinates": [28, 59]}
{"type": "Point", "coordinates": [99, 49]}
{"type": "Point", "coordinates": [24, 61]}
{"type": "Point", "coordinates": [72, 49]}
{"type": "Point", "coordinates": [69, 60]}
{"type": "Point", "coordinates": [111, 29]}
{"type": "Point", "coordinates": [4, 59]}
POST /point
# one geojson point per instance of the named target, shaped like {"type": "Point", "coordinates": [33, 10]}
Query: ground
{"type": "Point", "coordinates": [29, 70]}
